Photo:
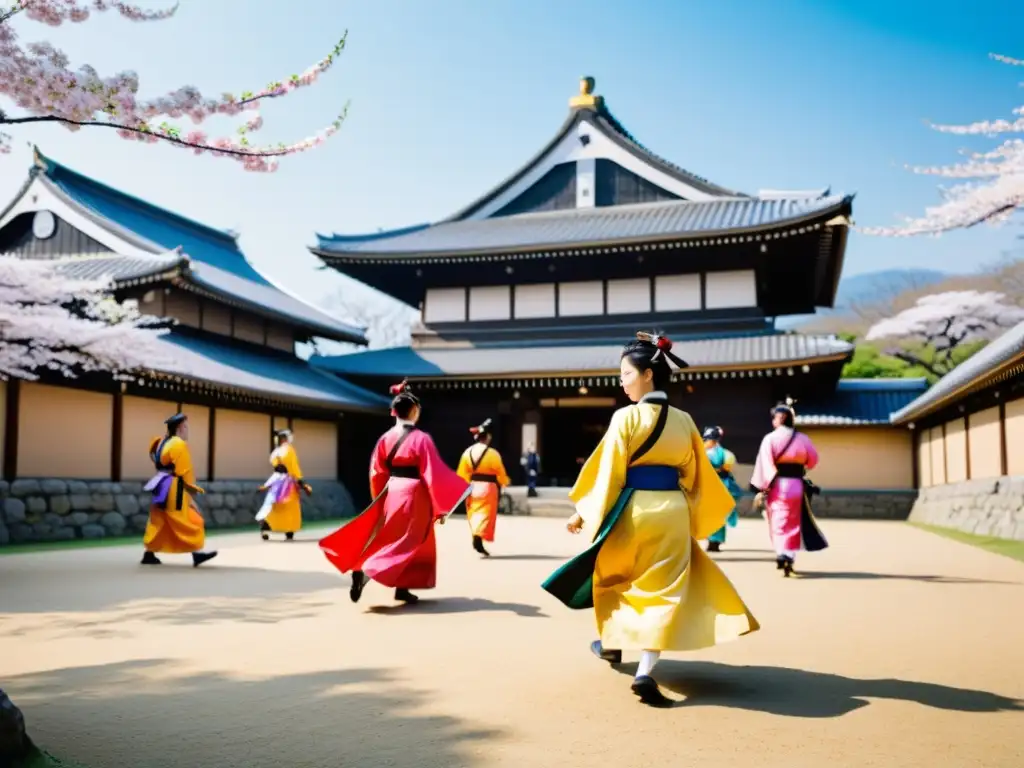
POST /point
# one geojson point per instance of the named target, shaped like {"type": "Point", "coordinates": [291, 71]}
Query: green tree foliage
{"type": "Point", "coordinates": [870, 362]}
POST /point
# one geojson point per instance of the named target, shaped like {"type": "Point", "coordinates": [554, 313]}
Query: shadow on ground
{"type": "Point", "coordinates": [67, 586]}
{"type": "Point", "coordinates": [458, 605]}
{"type": "Point", "coordinates": [529, 557]}
{"type": "Point", "coordinates": [867, 575]}
{"type": "Point", "coordinates": [137, 713]}
{"type": "Point", "coordinates": [799, 693]}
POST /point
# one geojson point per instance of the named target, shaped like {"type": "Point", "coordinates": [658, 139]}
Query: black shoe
{"type": "Point", "coordinates": [265, 536]}
{"type": "Point", "coordinates": [405, 596]}
{"type": "Point", "coordinates": [289, 536]}
{"type": "Point", "coordinates": [198, 558]}
{"type": "Point", "coordinates": [612, 657]}
{"type": "Point", "coordinates": [358, 583]}
{"type": "Point", "coordinates": [148, 558]}
{"type": "Point", "coordinates": [714, 546]}
{"type": "Point", "coordinates": [787, 567]}
{"type": "Point", "coordinates": [478, 545]}
{"type": "Point", "coordinates": [647, 689]}
{"type": "Point", "coordinates": [780, 562]}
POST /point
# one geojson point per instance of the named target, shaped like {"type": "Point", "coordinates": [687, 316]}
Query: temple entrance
{"type": "Point", "coordinates": [568, 436]}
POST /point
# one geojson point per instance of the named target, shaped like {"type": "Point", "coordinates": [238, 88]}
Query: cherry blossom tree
{"type": "Point", "coordinates": [37, 79]}
{"type": "Point", "coordinates": [998, 187]}
{"type": "Point", "coordinates": [933, 333]}
{"type": "Point", "coordinates": [50, 322]}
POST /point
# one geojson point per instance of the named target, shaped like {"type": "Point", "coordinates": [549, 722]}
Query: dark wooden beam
{"type": "Point", "coordinates": [339, 457]}
{"type": "Point", "coordinates": [604, 297]}
{"type": "Point", "coordinates": [211, 445]}
{"type": "Point", "coordinates": [967, 444]}
{"type": "Point", "coordinates": [915, 454]}
{"type": "Point", "coordinates": [945, 458]}
{"type": "Point", "coordinates": [12, 410]}
{"type": "Point", "coordinates": [1004, 455]}
{"type": "Point", "coordinates": [116, 437]}
{"type": "Point", "coordinates": [703, 290]}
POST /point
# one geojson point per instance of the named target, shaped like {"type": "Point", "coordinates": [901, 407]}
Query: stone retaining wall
{"type": "Point", "coordinates": [59, 510]}
{"type": "Point", "coordinates": [992, 507]}
{"type": "Point", "coordinates": [862, 505]}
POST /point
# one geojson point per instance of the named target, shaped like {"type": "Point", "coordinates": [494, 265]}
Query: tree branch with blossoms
{"type": "Point", "coordinates": [991, 200]}
{"type": "Point", "coordinates": [37, 79]}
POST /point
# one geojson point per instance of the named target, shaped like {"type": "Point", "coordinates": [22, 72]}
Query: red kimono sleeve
{"type": "Point", "coordinates": [444, 485]}
{"type": "Point", "coordinates": [378, 469]}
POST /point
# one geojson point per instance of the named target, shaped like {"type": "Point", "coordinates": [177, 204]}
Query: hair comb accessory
{"type": "Point", "coordinates": [397, 389]}
{"type": "Point", "coordinates": [664, 347]}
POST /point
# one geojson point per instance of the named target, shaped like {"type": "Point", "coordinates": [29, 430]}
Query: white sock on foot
{"type": "Point", "coordinates": [647, 661]}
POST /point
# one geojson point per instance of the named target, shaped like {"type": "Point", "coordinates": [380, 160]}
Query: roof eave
{"type": "Point", "coordinates": [843, 205]}
{"type": "Point", "coordinates": [322, 362]}
{"type": "Point", "coordinates": [923, 406]}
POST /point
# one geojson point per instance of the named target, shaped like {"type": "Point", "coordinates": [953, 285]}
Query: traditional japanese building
{"type": "Point", "coordinates": [231, 359]}
{"type": "Point", "coordinates": [528, 293]}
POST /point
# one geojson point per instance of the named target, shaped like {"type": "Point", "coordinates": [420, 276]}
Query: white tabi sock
{"type": "Point", "coordinates": [647, 661]}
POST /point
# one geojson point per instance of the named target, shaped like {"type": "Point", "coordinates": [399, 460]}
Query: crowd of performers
{"type": "Point", "coordinates": [653, 487]}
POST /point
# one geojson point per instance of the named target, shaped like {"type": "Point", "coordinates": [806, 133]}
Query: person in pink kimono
{"type": "Point", "coordinates": [783, 490]}
{"type": "Point", "coordinates": [392, 541]}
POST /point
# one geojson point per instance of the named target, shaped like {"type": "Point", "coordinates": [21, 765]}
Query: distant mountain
{"type": "Point", "coordinates": [868, 288]}
{"type": "Point", "coordinates": [884, 285]}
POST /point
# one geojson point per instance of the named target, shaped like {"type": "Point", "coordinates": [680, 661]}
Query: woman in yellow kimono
{"type": "Point", "coordinates": [281, 511]}
{"type": "Point", "coordinates": [175, 525]}
{"type": "Point", "coordinates": [647, 494]}
{"type": "Point", "coordinates": [482, 467]}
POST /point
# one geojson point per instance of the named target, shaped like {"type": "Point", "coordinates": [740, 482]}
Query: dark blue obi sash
{"type": "Point", "coordinates": [573, 583]}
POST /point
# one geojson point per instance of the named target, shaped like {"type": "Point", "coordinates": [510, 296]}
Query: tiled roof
{"type": "Point", "coordinates": [218, 263]}
{"type": "Point", "coordinates": [975, 370]}
{"type": "Point", "coordinates": [283, 376]}
{"type": "Point", "coordinates": [580, 226]}
{"type": "Point", "coordinates": [703, 354]}
{"type": "Point", "coordinates": [120, 269]}
{"type": "Point", "coordinates": [858, 402]}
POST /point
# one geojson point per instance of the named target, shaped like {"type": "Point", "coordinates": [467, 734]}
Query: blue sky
{"type": "Point", "coordinates": [450, 96]}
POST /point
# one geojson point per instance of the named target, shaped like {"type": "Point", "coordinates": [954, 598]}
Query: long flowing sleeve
{"type": "Point", "coordinates": [465, 469]}
{"type": "Point", "coordinates": [378, 472]}
{"type": "Point", "coordinates": [603, 475]}
{"type": "Point", "coordinates": [499, 470]}
{"type": "Point", "coordinates": [811, 451]}
{"type": "Point", "coordinates": [291, 463]}
{"type": "Point", "coordinates": [710, 501]}
{"type": "Point", "coordinates": [764, 466]}
{"type": "Point", "coordinates": [443, 483]}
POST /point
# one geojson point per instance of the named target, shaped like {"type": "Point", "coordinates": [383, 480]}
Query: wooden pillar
{"type": "Point", "coordinates": [967, 444]}
{"type": "Point", "coordinates": [12, 407]}
{"type": "Point", "coordinates": [116, 437]}
{"type": "Point", "coordinates": [915, 454]}
{"type": "Point", "coordinates": [1004, 458]}
{"type": "Point", "coordinates": [212, 444]}
{"type": "Point", "coordinates": [339, 453]}
{"type": "Point", "coordinates": [945, 461]}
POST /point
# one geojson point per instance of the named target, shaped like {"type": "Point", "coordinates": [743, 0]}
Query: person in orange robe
{"type": "Point", "coordinates": [481, 465]}
{"type": "Point", "coordinates": [175, 525]}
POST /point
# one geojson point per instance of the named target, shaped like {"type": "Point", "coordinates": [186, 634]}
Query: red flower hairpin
{"type": "Point", "coordinates": [663, 343]}
{"type": "Point", "coordinates": [397, 389]}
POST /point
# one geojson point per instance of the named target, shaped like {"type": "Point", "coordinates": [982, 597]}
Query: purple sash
{"type": "Point", "coordinates": [160, 486]}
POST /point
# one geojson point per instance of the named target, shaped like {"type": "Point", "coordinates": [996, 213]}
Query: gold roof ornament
{"type": "Point", "coordinates": [586, 98]}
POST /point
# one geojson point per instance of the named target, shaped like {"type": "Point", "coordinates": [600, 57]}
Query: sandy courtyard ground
{"type": "Point", "coordinates": [896, 648]}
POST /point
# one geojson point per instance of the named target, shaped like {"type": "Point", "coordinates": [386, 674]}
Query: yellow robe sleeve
{"type": "Point", "coordinates": [729, 462]}
{"type": "Point", "coordinates": [603, 475]}
{"type": "Point", "coordinates": [176, 452]}
{"type": "Point", "coordinates": [465, 469]}
{"type": "Point", "coordinates": [710, 502]}
{"type": "Point", "coordinates": [291, 463]}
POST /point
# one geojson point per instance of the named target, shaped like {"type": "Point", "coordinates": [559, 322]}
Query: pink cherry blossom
{"type": "Point", "coordinates": [991, 200]}
{"type": "Point", "coordinates": [36, 77]}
